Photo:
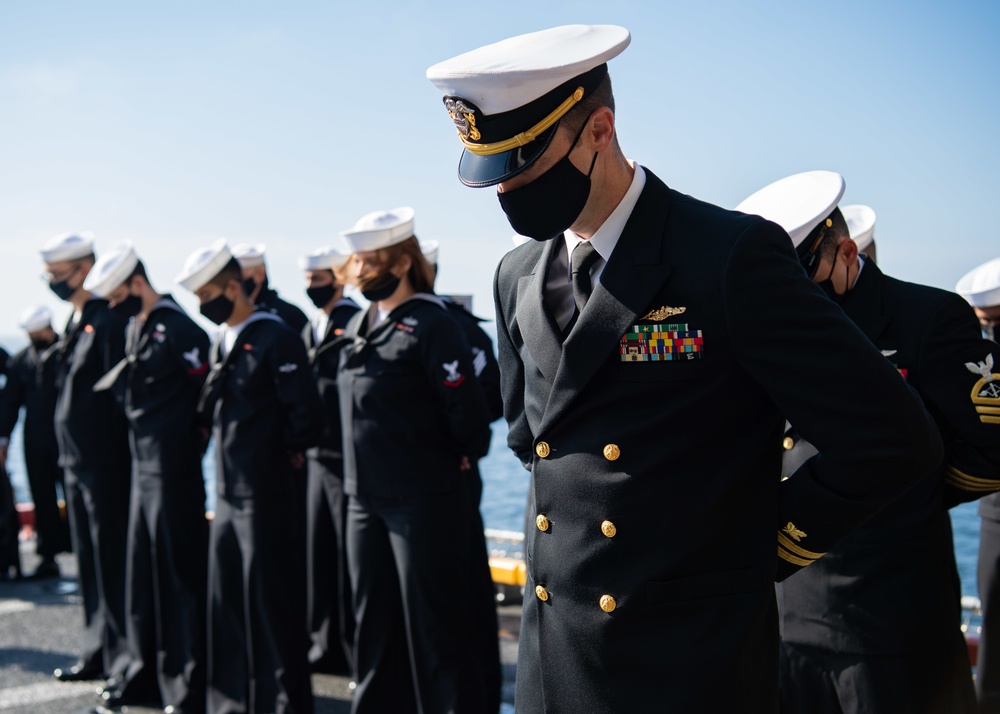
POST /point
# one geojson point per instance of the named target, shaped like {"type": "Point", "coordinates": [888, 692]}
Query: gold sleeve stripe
{"type": "Point", "coordinates": [966, 482]}
{"type": "Point", "coordinates": [787, 543]}
{"type": "Point", "coordinates": [528, 136]}
{"type": "Point", "coordinates": [989, 419]}
{"type": "Point", "coordinates": [785, 555]}
{"type": "Point", "coordinates": [988, 410]}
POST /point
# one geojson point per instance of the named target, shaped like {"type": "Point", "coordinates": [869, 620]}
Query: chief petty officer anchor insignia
{"type": "Point", "coordinates": [986, 391]}
{"type": "Point", "coordinates": [662, 342]}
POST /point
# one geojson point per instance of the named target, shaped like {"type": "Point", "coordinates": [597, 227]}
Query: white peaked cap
{"type": "Point", "coordinates": [380, 229]}
{"type": "Point", "coordinates": [326, 258]}
{"type": "Point", "coordinates": [68, 246]}
{"type": "Point", "coordinates": [981, 285]}
{"type": "Point", "coordinates": [204, 264]}
{"type": "Point", "coordinates": [111, 270]}
{"type": "Point", "coordinates": [249, 255]}
{"type": "Point", "coordinates": [35, 318]}
{"type": "Point", "coordinates": [430, 250]}
{"type": "Point", "coordinates": [797, 203]}
{"type": "Point", "coordinates": [860, 223]}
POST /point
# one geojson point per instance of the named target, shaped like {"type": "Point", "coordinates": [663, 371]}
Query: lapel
{"type": "Point", "coordinates": [866, 302]}
{"type": "Point", "coordinates": [635, 273]}
{"type": "Point", "coordinates": [538, 328]}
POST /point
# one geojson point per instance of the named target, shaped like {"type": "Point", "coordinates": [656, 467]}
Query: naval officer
{"type": "Point", "coordinates": [851, 642]}
{"type": "Point", "coordinates": [329, 610]}
{"type": "Point", "coordinates": [166, 580]}
{"type": "Point", "coordinates": [981, 288]}
{"type": "Point", "coordinates": [262, 402]}
{"type": "Point", "coordinates": [639, 331]}
{"type": "Point", "coordinates": [250, 256]}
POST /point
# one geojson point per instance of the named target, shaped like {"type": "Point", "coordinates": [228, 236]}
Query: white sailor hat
{"type": "Point", "coordinates": [111, 270]}
{"type": "Point", "coordinates": [249, 255]}
{"type": "Point", "coordinates": [68, 246]}
{"type": "Point", "coordinates": [860, 223]}
{"type": "Point", "coordinates": [803, 204]}
{"type": "Point", "coordinates": [430, 250]}
{"type": "Point", "coordinates": [35, 318]}
{"type": "Point", "coordinates": [380, 229]}
{"type": "Point", "coordinates": [506, 99]}
{"type": "Point", "coordinates": [518, 239]}
{"type": "Point", "coordinates": [326, 258]}
{"type": "Point", "coordinates": [204, 264]}
{"type": "Point", "coordinates": [981, 286]}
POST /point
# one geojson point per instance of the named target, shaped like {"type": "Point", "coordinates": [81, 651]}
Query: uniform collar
{"type": "Point", "coordinates": [606, 237]}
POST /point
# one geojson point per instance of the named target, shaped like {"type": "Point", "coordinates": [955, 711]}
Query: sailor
{"type": "Point", "coordinates": [861, 225]}
{"type": "Point", "coordinates": [265, 411]}
{"type": "Point", "coordinates": [330, 611]}
{"type": "Point", "coordinates": [673, 326]}
{"type": "Point", "coordinates": [162, 377]}
{"type": "Point", "coordinates": [92, 434]}
{"type": "Point", "coordinates": [873, 625]}
{"type": "Point", "coordinates": [413, 418]}
{"type": "Point", "coordinates": [483, 601]}
{"type": "Point", "coordinates": [981, 288]}
{"type": "Point", "coordinates": [31, 384]}
{"type": "Point", "coordinates": [258, 290]}
{"type": "Point", "coordinates": [10, 526]}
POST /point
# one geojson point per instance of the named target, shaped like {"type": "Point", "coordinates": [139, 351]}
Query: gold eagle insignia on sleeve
{"type": "Point", "coordinates": [792, 531]}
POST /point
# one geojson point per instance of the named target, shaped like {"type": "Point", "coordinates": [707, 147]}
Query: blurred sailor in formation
{"type": "Point", "coordinates": [413, 420]}
{"type": "Point", "coordinates": [92, 434]}
{"type": "Point", "coordinates": [330, 612]}
{"type": "Point", "coordinates": [981, 288]}
{"type": "Point", "coordinates": [162, 377]}
{"type": "Point", "coordinates": [638, 330]}
{"type": "Point", "coordinates": [259, 292]}
{"type": "Point", "coordinates": [873, 625]}
{"type": "Point", "coordinates": [31, 384]}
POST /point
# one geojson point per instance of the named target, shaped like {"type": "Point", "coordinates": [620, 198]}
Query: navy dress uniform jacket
{"type": "Point", "coordinates": [891, 587]}
{"type": "Point", "coordinates": [269, 301]}
{"type": "Point", "coordinates": [653, 563]}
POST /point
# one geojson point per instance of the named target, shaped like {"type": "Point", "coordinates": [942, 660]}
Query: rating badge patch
{"type": "Point", "coordinates": [661, 343]}
{"type": "Point", "coordinates": [986, 391]}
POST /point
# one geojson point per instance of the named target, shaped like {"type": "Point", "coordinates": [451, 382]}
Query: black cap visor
{"type": "Point", "coordinates": [481, 171]}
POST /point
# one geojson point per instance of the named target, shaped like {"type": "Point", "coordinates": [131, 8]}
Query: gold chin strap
{"type": "Point", "coordinates": [528, 136]}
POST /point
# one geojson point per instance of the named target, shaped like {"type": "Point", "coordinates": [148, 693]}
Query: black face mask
{"type": "Point", "coordinates": [546, 207]}
{"type": "Point", "coordinates": [218, 309]}
{"type": "Point", "coordinates": [42, 345]}
{"type": "Point", "coordinates": [128, 308]}
{"type": "Point", "coordinates": [62, 289]}
{"type": "Point", "coordinates": [322, 295]}
{"type": "Point", "coordinates": [382, 289]}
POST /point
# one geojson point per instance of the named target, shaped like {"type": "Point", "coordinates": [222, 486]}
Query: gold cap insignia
{"type": "Point", "coordinates": [464, 118]}
{"type": "Point", "coordinates": [663, 313]}
{"type": "Point", "coordinates": [794, 532]}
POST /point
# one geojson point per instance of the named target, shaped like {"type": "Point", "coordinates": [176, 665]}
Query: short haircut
{"type": "Point", "coordinates": [602, 96]}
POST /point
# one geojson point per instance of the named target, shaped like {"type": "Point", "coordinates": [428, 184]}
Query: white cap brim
{"type": "Point", "coordinates": [380, 229]}
{"type": "Point", "coordinates": [35, 318]}
{"type": "Point", "coordinates": [249, 255]}
{"type": "Point", "coordinates": [797, 203]}
{"type": "Point", "coordinates": [204, 264]}
{"type": "Point", "coordinates": [323, 259]}
{"type": "Point", "coordinates": [981, 285]}
{"type": "Point", "coordinates": [68, 246]}
{"type": "Point", "coordinates": [111, 270]}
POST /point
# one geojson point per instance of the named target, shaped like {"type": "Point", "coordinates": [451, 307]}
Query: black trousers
{"type": "Point", "coordinates": [98, 503]}
{"type": "Point", "coordinates": [257, 637]}
{"type": "Point", "coordinates": [10, 527]}
{"type": "Point", "coordinates": [814, 681]}
{"type": "Point", "coordinates": [329, 610]}
{"type": "Point", "coordinates": [411, 589]}
{"type": "Point", "coordinates": [166, 588]}
{"type": "Point", "coordinates": [988, 572]}
{"type": "Point", "coordinates": [43, 474]}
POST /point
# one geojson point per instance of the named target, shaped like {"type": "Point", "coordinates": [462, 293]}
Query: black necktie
{"type": "Point", "coordinates": [583, 258]}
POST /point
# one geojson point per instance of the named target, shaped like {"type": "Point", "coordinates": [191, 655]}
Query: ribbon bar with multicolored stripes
{"type": "Point", "coordinates": [661, 343]}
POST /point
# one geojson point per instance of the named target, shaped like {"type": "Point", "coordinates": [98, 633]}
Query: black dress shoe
{"type": "Point", "coordinates": [77, 673]}
{"type": "Point", "coordinates": [120, 698]}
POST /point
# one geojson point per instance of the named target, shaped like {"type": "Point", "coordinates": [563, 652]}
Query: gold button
{"type": "Point", "coordinates": [608, 603]}
{"type": "Point", "coordinates": [788, 443]}
{"type": "Point", "coordinates": [542, 522]}
{"type": "Point", "coordinates": [542, 449]}
{"type": "Point", "coordinates": [608, 529]}
{"type": "Point", "coordinates": [612, 452]}
{"type": "Point", "coordinates": [541, 593]}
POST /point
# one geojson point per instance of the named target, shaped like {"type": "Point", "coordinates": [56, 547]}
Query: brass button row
{"type": "Point", "coordinates": [607, 602]}
{"type": "Point", "coordinates": [611, 451]}
{"type": "Point", "coordinates": [543, 524]}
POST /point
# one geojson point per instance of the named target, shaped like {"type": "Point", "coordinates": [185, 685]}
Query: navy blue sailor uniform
{"type": "Point", "coordinates": [291, 315]}
{"type": "Point", "coordinates": [880, 613]}
{"type": "Point", "coordinates": [162, 377]}
{"type": "Point", "coordinates": [651, 565]}
{"type": "Point", "coordinates": [264, 405]}
{"type": "Point", "coordinates": [410, 409]}
{"type": "Point", "coordinates": [10, 527]}
{"type": "Point", "coordinates": [329, 611]}
{"type": "Point", "coordinates": [92, 434]}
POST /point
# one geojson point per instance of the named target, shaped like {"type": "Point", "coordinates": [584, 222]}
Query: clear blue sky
{"type": "Point", "coordinates": [172, 124]}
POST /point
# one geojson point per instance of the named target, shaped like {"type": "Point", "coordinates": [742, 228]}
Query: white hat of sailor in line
{"type": "Point", "coordinates": [860, 224]}
{"type": "Point", "coordinates": [204, 264]}
{"type": "Point", "coordinates": [111, 270]}
{"type": "Point", "coordinates": [35, 318]}
{"type": "Point", "coordinates": [326, 258]}
{"type": "Point", "coordinates": [506, 99]}
{"type": "Point", "coordinates": [68, 246]}
{"type": "Point", "coordinates": [517, 239]}
{"type": "Point", "coordinates": [430, 249]}
{"type": "Point", "coordinates": [249, 255]}
{"type": "Point", "coordinates": [981, 285]}
{"type": "Point", "coordinates": [380, 229]}
{"type": "Point", "coordinates": [803, 204]}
